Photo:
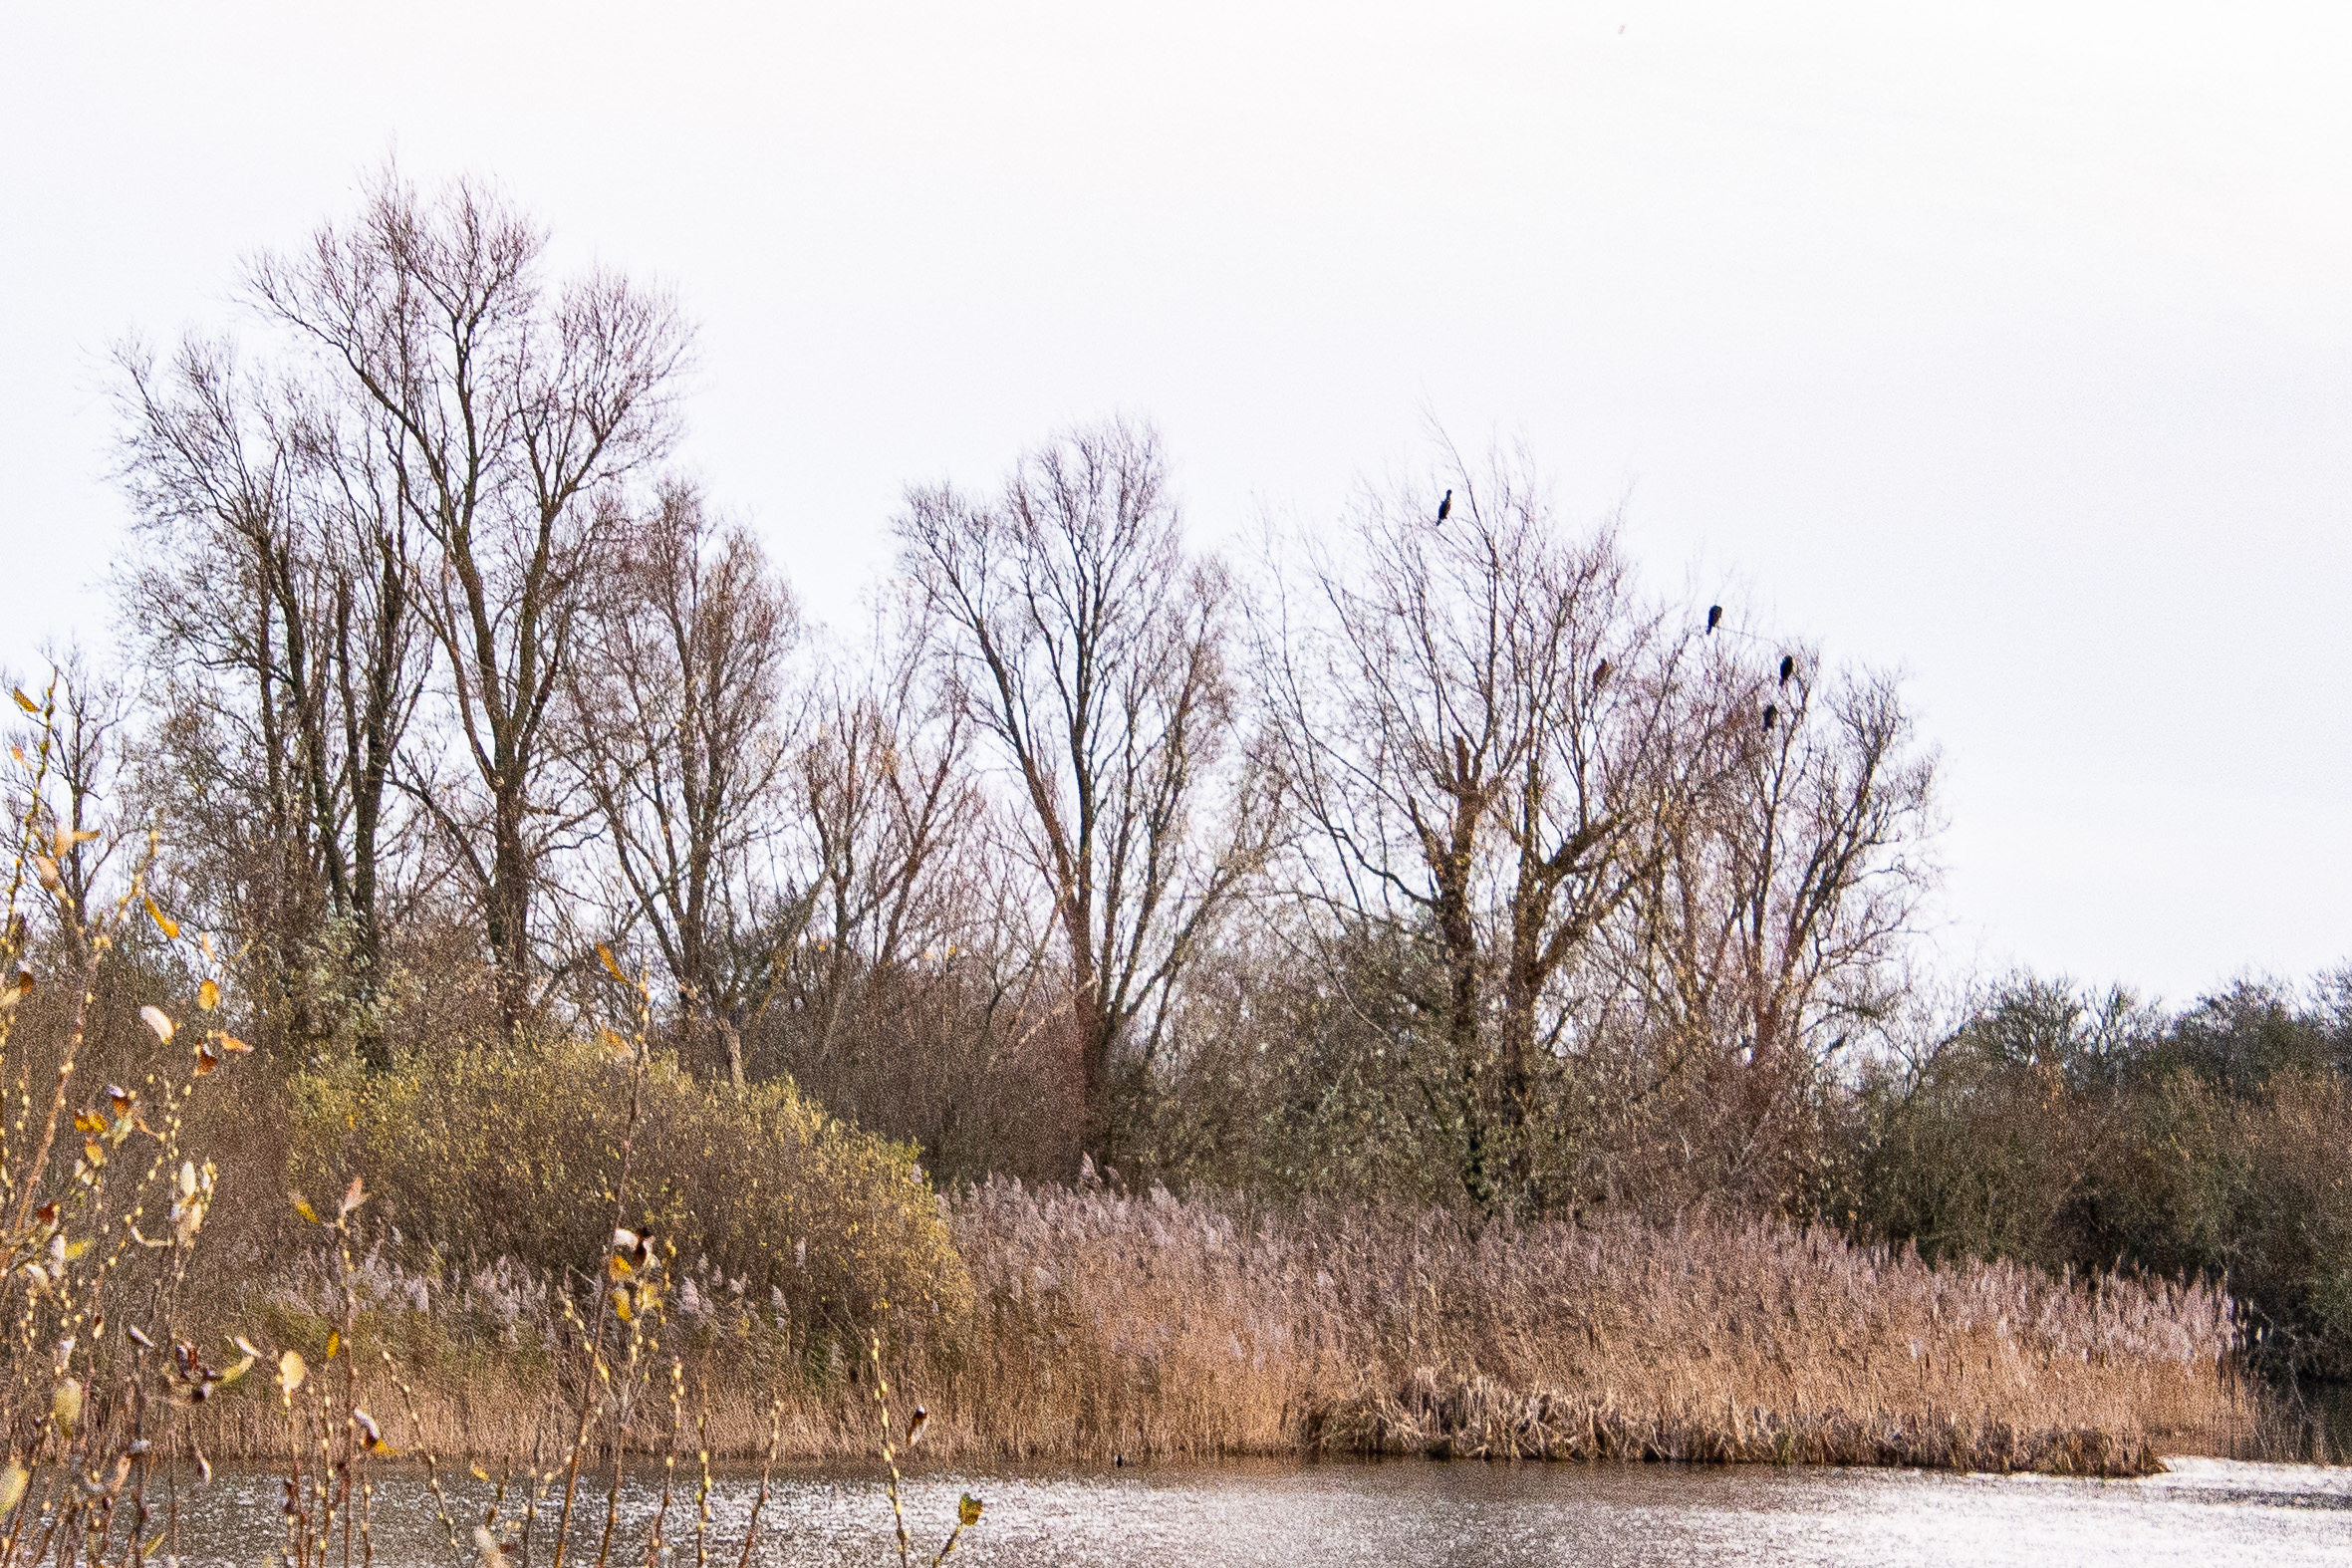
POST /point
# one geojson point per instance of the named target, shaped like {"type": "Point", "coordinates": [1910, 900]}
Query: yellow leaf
{"type": "Point", "coordinates": [164, 922]}
{"type": "Point", "coordinates": [302, 1206]}
{"type": "Point", "coordinates": [291, 1371]}
{"type": "Point", "coordinates": [334, 1342]}
{"type": "Point", "coordinates": [26, 703]}
{"type": "Point", "coordinates": [64, 1405]}
{"type": "Point", "coordinates": [604, 954]}
{"type": "Point", "coordinates": [209, 995]}
{"type": "Point", "coordinates": [372, 1437]}
{"type": "Point", "coordinates": [158, 1020]}
{"type": "Point", "coordinates": [14, 1478]}
{"type": "Point", "coordinates": [968, 1511]}
{"type": "Point", "coordinates": [229, 1042]}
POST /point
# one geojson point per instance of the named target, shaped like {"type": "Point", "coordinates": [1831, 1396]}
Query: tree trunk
{"type": "Point", "coordinates": [509, 913]}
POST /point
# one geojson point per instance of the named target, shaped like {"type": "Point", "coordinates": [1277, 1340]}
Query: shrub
{"type": "Point", "coordinates": [2074, 1128]}
{"type": "Point", "coordinates": [482, 1153]}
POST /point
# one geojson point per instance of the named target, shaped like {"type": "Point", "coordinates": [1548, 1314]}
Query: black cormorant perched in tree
{"type": "Point", "coordinates": [1771, 712]}
{"type": "Point", "coordinates": [1599, 673]}
{"type": "Point", "coordinates": [1715, 617]}
{"type": "Point", "coordinates": [1788, 667]}
{"type": "Point", "coordinates": [1445, 507]}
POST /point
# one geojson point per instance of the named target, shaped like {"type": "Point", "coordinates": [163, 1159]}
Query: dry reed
{"type": "Point", "coordinates": [1153, 1325]}
{"type": "Point", "coordinates": [1147, 1325]}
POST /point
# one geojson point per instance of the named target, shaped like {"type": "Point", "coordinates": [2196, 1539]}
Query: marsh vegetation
{"type": "Point", "coordinates": [488, 981]}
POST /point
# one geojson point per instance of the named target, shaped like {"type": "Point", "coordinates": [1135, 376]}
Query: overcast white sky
{"type": "Point", "coordinates": [2012, 348]}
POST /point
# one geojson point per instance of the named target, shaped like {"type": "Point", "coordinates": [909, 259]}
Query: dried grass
{"type": "Point", "coordinates": [1153, 1325]}
{"type": "Point", "coordinates": [1150, 1326]}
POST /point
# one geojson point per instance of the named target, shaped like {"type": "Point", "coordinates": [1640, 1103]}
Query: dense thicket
{"type": "Point", "coordinates": [1430, 856]}
{"type": "Point", "coordinates": [2070, 1126]}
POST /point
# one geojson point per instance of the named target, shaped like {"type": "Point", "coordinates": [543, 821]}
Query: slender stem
{"type": "Point", "coordinates": [592, 1399]}
{"type": "Point", "coordinates": [767, 1465]}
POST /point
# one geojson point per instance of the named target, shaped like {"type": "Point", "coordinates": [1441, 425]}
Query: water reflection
{"type": "Point", "coordinates": [2207, 1512]}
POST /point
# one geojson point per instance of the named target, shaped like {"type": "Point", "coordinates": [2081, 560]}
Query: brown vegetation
{"type": "Point", "coordinates": [543, 1312]}
{"type": "Point", "coordinates": [1149, 1326]}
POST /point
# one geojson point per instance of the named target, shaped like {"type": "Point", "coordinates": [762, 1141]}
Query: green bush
{"type": "Point", "coordinates": [2257, 1189]}
{"type": "Point", "coordinates": [2064, 1128]}
{"type": "Point", "coordinates": [481, 1154]}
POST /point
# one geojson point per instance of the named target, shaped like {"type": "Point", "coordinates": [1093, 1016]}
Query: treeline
{"type": "Point", "coordinates": [436, 679]}
{"type": "Point", "coordinates": [1427, 855]}
{"type": "Point", "coordinates": [2078, 1128]}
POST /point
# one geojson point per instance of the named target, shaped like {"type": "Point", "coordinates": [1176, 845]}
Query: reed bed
{"type": "Point", "coordinates": [1106, 1324]}
{"type": "Point", "coordinates": [1151, 1325]}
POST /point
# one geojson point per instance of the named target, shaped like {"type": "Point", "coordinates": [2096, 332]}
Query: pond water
{"type": "Point", "coordinates": [2207, 1512]}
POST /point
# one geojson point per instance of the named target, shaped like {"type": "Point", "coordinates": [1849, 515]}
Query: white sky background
{"type": "Point", "coordinates": [2013, 348]}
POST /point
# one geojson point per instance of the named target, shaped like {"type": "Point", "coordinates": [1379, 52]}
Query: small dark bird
{"type": "Point", "coordinates": [1771, 712]}
{"type": "Point", "coordinates": [1715, 617]}
{"type": "Point", "coordinates": [1445, 507]}
{"type": "Point", "coordinates": [1599, 673]}
{"type": "Point", "coordinates": [1788, 667]}
{"type": "Point", "coordinates": [1119, 1459]}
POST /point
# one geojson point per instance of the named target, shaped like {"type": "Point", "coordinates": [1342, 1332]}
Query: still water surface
{"type": "Point", "coordinates": [2205, 1513]}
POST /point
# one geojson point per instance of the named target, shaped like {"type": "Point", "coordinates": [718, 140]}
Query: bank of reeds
{"type": "Point", "coordinates": [1147, 1326]}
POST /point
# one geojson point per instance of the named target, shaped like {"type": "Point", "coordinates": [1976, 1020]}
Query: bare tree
{"type": "Point", "coordinates": [891, 805]}
{"type": "Point", "coordinates": [278, 626]}
{"type": "Point", "coordinates": [65, 775]}
{"type": "Point", "coordinates": [1486, 730]}
{"type": "Point", "coordinates": [1773, 924]}
{"type": "Point", "coordinates": [678, 700]}
{"type": "Point", "coordinates": [922, 1001]}
{"type": "Point", "coordinates": [1093, 648]}
{"type": "Point", "coordinates": [507, 417]}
